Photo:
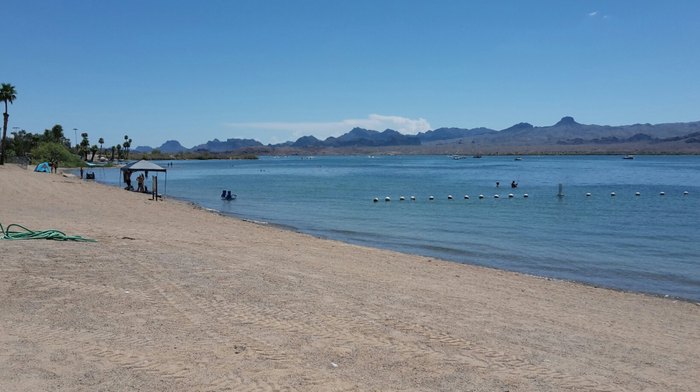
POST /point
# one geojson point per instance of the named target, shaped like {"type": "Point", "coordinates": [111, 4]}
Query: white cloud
{"type": "Point", "coordinates": [282, 131]}
{"type": "Point", "coordinates": [597, 14]}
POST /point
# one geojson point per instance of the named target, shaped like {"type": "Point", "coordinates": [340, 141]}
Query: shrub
{"type": "Point", "coordinates": [51, 151]}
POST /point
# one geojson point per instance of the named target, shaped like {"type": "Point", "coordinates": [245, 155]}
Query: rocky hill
{"type": "Point", "coordinates": [229, 145]}
{"type": "Point", "coordinates": [565, 136]}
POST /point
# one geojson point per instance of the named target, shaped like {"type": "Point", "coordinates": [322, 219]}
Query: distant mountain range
{"type": "Point", "coordinates": [567, 135]}
{"type": "Point", "coordinates": [173, 146]}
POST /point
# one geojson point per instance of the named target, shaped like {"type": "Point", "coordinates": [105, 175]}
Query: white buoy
{"type": "Point", "coordinates": [431, 198]}
{"type": "Point", "coordinates": [376, 199]}
{"type": "Point", "coordinates": [413, 198]}
{"type": "Point", "coordinates": [481, 196]}
{"type": "Point", "coordinates": [496, 196]}
{"type": "Point", "coordinates": [510, 195]}
{"type": "Point", "coordinates": [387, 198]}
{"type": "Point", "coordinates": [401, 198]}
{"type": "Point", "coordinates": [525, 195]}
{"type": "Point", "coordinates": [637, 194]}
{"type": "Point", "coordinates": [466, 197]}
{"type": "Point", "coordinates": [612, 194]}
{"type": "Point", "coordinates": [662, 193]}
{"type": "Point", "coordinates": [685, 193]}
{"type": "Point", "coordinates": [449, 197]}
{"type": "Point", "coordinates": [588, 194]}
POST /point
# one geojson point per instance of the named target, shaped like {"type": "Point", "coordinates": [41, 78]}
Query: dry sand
{"type": "Point", "coordinates": [175, 298]}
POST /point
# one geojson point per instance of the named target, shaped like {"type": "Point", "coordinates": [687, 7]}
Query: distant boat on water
{"type": "Point", "coordinates": [628, 157]}
{"type": "Point", "coordinates": [477, 156]}
{"type": "Point", "coordinates": [92, 164]}
{"type": "Point", "coordinates": [458, 156]}
{"type": "Point", "coordinates": [518, 159]}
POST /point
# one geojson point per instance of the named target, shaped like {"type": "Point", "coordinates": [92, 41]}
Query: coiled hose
{"type": "Point", "coordinates": [26, 234]}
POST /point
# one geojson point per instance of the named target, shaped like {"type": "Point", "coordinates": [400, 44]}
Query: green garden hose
{"type": "Point", "coordinates": [6, 234]}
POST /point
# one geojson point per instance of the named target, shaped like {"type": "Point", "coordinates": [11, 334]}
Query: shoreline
{"type": "Point", "coordinates": [173, 298]}
{"type": "Point", "coordinates": [298, 230]}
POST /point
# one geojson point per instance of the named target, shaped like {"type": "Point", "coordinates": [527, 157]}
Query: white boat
{"type": "Point", "coordinates": [628, 157]}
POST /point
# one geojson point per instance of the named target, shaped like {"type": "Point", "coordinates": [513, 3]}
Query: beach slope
{"type": "Point", "coordinates": [175, 298]}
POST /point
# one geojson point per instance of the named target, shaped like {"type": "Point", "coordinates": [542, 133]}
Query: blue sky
{"type": "Point", "coordinates": [277, 70]}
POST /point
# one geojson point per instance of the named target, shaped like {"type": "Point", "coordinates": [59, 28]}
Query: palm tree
{"type": "Point", "coordinates": [93, 150]}
{"type": "Point", "coordinates": [126, 145]}
{"type": "Point", "coordinates": [7, 94]}
{"type": "Point", "coordinates": [84, 147]}
{"type": "Point", "coordinates": [128, 148]}
{"type": "Point", "coordinates": [101, 142]}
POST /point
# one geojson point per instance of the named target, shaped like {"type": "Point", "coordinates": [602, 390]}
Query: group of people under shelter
{"type": "Point", "coordinates": [140, 181]}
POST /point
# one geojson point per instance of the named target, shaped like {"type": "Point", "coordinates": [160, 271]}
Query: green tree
{"type": "Point", "coordinates": [51, 151]}
{"type": "Point", "coordinates": [7, 94]}
{"type": "Point", "coordinates": [84, 147]}
{"type": "Point", "coordinates": [55, 135]}
{"type": "Point", "coordinates": [114, 149]}
{"type": "Point", "coordinates": [23, 142]}
{"type": "Point", "coordinates": [101, 142]}
{"type": "Point", "coordinates": [127, 146]}
{"type": "Point", "coordinates": [119, 151]}
{"type": "Point", "coordinates": [93, 150]}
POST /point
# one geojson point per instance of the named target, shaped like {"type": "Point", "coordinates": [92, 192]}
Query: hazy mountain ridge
{"type": "Point", "coordinates": [229, 145]}
{"type": "Point", "coordinates": [519, 137]}
{"type": "Point", "coordinates": [366, 137]}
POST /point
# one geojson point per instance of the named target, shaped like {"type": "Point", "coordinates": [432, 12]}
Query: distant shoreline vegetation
{"type": "Point", "coordinates": [375, 152]}
{"type": "Point", "coordinates": [156, 155]}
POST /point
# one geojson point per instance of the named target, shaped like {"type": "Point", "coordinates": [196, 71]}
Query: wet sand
{"type": "Point", "coordinates": [175, 298]}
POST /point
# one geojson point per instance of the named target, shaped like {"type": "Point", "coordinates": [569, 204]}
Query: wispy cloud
{"type": "Point", "coordinates": [323, 130]}
{"type": "Point", "coordinates": [597, 14]}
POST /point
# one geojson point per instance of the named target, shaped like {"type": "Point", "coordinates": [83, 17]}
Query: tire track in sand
{"type": "Point", "coordinates": [349, 330]}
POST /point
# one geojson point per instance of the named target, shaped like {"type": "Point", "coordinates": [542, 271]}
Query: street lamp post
{"type": "Point", "coordinates": [75, 139]}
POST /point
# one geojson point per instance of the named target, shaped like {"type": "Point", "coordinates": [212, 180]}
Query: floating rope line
{"type": "Point", "coordinates": [26, 234]}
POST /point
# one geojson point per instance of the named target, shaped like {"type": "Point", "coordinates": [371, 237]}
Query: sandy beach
{"type": "Point", "coordinates": [175, 298]}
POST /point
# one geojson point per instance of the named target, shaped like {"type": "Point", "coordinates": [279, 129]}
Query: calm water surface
{"type": "Point", "coordinates": [647, 243]}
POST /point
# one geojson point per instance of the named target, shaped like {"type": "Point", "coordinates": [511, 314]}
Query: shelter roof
{"type": "Point", "coordinates": [143, 165]}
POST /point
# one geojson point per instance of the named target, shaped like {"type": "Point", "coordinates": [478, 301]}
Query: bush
{"type": "Point", "coordinates": [50, 151]}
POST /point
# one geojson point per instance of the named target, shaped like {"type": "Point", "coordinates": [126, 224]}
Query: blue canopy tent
{"type": "Point", "coordinates": [145, 166]}
{"type": "Point", "coordinates": [43, 167]}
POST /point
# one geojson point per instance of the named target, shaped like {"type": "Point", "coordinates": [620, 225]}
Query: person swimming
{"type": "Point", "coordinates": [513, 184]}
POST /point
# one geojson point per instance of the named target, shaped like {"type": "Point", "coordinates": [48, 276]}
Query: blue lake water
{"type": "Point", "coordinates": [647, 243]}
